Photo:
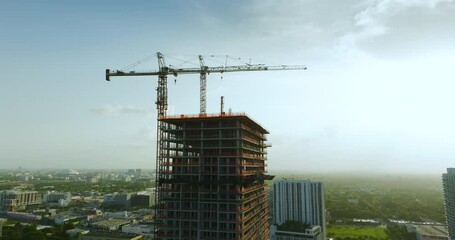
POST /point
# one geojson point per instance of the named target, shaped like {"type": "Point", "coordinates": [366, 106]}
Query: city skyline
{"type": "Point", "coordinates": [376, 97]}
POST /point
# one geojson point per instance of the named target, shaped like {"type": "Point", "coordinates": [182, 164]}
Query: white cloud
{"type": "Point", "coordinates": [147, 134]}
{"type": "Point", "coordinates": [379, 18]}
{"type": "Point", "coordinates": [110, 110]}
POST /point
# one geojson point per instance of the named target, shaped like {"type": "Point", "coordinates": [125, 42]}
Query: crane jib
{"type": "Point", "coordinates": [175, 72]}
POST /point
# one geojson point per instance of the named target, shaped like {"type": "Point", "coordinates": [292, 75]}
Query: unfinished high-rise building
{"type": "Point", "coordinates": [211, 178]}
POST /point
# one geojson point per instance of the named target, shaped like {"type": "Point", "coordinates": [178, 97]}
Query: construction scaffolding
{"type": "Point", "coordinates": [211, 178]}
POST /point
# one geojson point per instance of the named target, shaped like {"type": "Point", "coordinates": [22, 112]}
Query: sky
{"type": "Point", "coordinates": [377, 95]}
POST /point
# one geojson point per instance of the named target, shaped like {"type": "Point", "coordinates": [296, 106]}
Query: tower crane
{"type": "Point", "coordinates": [164, 71]}
{"type": "Point", "coordinates": [162, 95]}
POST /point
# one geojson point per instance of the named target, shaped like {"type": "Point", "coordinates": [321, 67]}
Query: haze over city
{"type": "Point", "coordinates": [377, 95]}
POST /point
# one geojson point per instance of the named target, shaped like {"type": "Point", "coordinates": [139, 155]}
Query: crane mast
{"type": "Point", "coordinates": [162, 95]}
{"type": "Point", "coordinates": [161, 100]}
{"type": "Point", "coordinates": [203, 86]}
{"type": "Point", "coordinates": [161, 106]}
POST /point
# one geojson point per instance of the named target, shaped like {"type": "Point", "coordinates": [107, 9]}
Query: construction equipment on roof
{"type": "Point", "coordinates": [164, 71]}
{"type": "Point", "coordinates": [162, 92]}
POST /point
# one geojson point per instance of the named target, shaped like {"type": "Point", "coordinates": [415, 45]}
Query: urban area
{"type": "Point", "coordinates": [120, 204]}
{"type": "Point", "coordinates": [197, 120]}
{"type": "Point", "coordinates": [212, 181]}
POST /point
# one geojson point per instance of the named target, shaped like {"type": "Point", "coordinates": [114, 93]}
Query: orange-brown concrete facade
{"type": "Point", "coordinates": [211, 178]}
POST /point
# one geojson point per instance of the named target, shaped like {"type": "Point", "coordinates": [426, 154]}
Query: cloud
{"type": "Point", "coordinates": [384, 23]}
{"type": "Point", "coordinates": [110, 110]}
{"type": "Point", "coordinates": [251, 26]}
{"type": "Point", "coordinates": [147, 134]}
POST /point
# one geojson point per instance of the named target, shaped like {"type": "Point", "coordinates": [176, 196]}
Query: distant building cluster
{"type": "Point", "coordinates": [102, 215]}
{"type": "Point", "coordinates": [142, 199]}
{"type": "Point", "coordinates": [137, 173]}
{"type": "Point", "coordinates": [209, 197]}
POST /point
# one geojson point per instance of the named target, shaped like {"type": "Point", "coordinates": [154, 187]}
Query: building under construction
{"type": "Point", "coordinates": [211, 178]}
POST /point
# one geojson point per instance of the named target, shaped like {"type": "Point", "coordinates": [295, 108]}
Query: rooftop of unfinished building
{"type": "Point", "coordinates": [215, 116]}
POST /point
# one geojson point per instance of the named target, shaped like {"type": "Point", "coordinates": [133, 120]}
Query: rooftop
{"type": "Point", "coordinates": [111, 234]}
{"type": "Point", "coordinates": [432, 230]}
{"type": "Point", "coordinates": [215, 116]}
{"type": "Point", "coordinates": [110, 223]}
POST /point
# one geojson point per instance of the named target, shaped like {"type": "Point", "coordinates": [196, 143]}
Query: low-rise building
{"type": "Point", "coordinates": [143, 199]}
{"type": "Point", "coordinates": [147, 230]}
{"type": "Point", "coordinates": [122, 214]}
{"type": "Point", "coordinates": [77, 231]}
{"type": "Point", "coordinates": [57, 198]}
{"type": "Point", "coordinates": [21, 216]}
{"type": "Point", "coordinates": [110, 224]}
{"type": "Point", "coordinates": [365, 222]}
{"type": "Point", "coordinates": [312, 233]}
{"type": "Point", "coordinates": [431, 232]}
{"type": "Point", "coordinates": [118, 199]}
{"type": "Point", "coordinates": [105, 235]}
{"type": "Point", "coordinates": [12, 200]}
{"type": "Point", "coordinates": [65, 218]}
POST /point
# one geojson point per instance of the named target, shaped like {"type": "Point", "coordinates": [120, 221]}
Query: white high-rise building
{"type": "Point", "coordinates": [448, 183]}
{"type": "Point", "coordinates": [299, 200]}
